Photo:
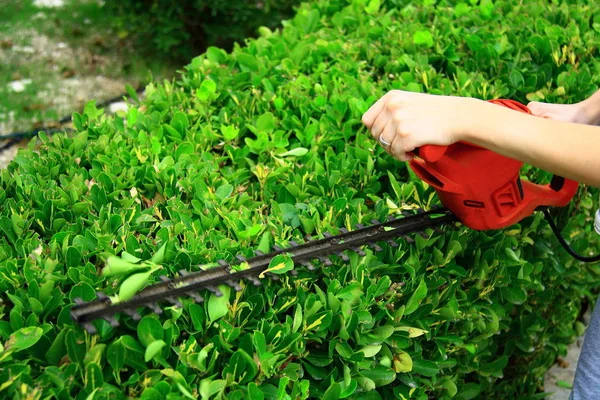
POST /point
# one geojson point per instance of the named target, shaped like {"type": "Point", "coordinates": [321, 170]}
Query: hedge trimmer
{"type": "Point", "coordinates": [477, 187]}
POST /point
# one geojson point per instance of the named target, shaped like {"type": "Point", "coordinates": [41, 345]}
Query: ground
{"type": "Point", "coordinates": [55, 55]}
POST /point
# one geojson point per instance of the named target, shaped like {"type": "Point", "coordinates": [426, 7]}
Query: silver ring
{"type": "Point", "coordinates": [383, 142]}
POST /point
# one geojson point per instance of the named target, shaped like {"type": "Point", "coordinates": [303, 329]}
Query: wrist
{"type": "Point", "coordinates": [588, 111]}
{"type": "Point", "coordinates": [476, 112]}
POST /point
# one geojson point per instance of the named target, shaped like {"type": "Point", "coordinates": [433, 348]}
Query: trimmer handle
{"type": "Point", "coordinates": [482, 188]}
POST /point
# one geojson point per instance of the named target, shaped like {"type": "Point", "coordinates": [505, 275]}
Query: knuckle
{"type": "Point", "coordinates": [393, 104]}
{"type": "Point", "coordinates": [403, 133]}
{"type": "Point", "coordinates": [397, 118]}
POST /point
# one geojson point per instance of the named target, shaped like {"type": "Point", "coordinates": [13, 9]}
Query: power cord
{"type": "Point", "coordinates": [564, 243]}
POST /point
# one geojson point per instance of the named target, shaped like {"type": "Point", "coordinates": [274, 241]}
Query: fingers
{"type": "Point", "coordinates": [536, 108]}
{"type": "Point", "coordinates": [388, 135]}
{"type": "Point", "coordinates": [400, 148]}
{"type": "Point", "coordinates": [379, 125]}
{"type": "Point", "coordinates": [372, 113]}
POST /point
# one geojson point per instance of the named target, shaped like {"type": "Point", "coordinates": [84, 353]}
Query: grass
{"type": "Point", "coordinates": [77, 56]}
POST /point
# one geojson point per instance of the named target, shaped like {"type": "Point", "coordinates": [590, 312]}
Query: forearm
{"type": "Point", "coordinates": [566, 149]}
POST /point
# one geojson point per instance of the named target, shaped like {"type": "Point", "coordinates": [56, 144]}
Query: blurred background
{"type": "Point", "coordinates": [56, 55]}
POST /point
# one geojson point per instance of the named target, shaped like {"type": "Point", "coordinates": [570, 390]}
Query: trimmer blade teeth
{"type": "Point", "coordinates": [78, 300]}
{"type": "Point", "coordinates": [90, 328]}
{"type": "Point", "coordinates": [196, 297]}
{"type": "Point", "coordinates": [408, 239]}
{"type": "Point", "coordinates": [101, 296]}
{"type": "Point", "coordinates": [255, 281]}
{"type": "Point", "coordinates": [343, 256]}
{"type": "Point", "coordinates": [322, 250]}
{"type": "Point", "coordinates": [133, 314]}
{"type": "Point", "coordinates": [214, 290]}
{"type": "Point", "coordinates": [234, 285]}
{"type": "Point", "coordinates": [258, 252]}
{"type": "Point", "coordinates": [359, 226]}
{"type": "Point", "coordinates": [375, 247]}
{"type": "Point", "coordinates": [325, 260]}
{"type": "Point", "coordinates": [175, 301]}
{"type": "Point", "coordinates": [155, 308]}
{"type": "Point", "coordinates": [240, 257]}
{"type": "Point", "coordinates": [359, 251]}
{"type": "Point", "coordinates": [112, 321]}
{"type": "Point", "coordinates": [308, 265]}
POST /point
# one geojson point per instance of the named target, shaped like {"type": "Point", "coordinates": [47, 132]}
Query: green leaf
{"type": "Point", "coordinates": [423, 38]}
{"type": "Point", "coordinates": [183, 149]}
{"type": "Point", "coordinates": [218, 306]}
{"type": "Point", "coordinates": [151, 394]}
{"type": "Point", "coordinates": [280, 264]}
{"type": "Point", "coordinates": [159, 256]}
{"type": "Point", "coordinates": [229, 132]}
{"type": "Point", "coordinates": [333, 392]}
{"type": "Point", "coordinates": [516, 79]}
{"type": "Point", "coordinates": [91, 111]}
{"type": "Point", "coordinates": [370, 350]}
{"type": "Point", "coordinates": [115, 355]}
{"type": "Point", "coordinates": [297, 152]}
{"type": "Point", "coordinates": [116, 266]}
{"type": "Point", "coordinates": [373, 7]}
{"type": "Point", "coordinates": [515, 295]}
{"type": "Point", "coordinates": [380, 375]}
{"type": "Point", "coordinates": [23, 339]}
{"type": "Point", "coordinates": [425, 368]}
{"type": "Point", "coordinates": [224, 191]}
{"type": "Point", "coordinates": [494, 368]}
{"type": "Point", "coordinates": [254, 392]}
{"type": "Point", "coordinates": [93, 377]}
{"type": "Point", "coordinates": [207, 90]}
{"type": "Point", "coordinates": [468, 391]}
{"type": "Point", "coordinates": [153, 349]}
{"type": "Point", "coordinates": [403, 363]}
{"type": "Point", "coordinates": [265, 242]}
{"type": "Point", "coordinates": [73, 257]}
{"type": "Point", "coordinates": [133, 284]}
{"type": "Point", "coordinates": [248, 63]}
{"type": "Point", "coordinates": [416, 298]}
{"type": "Point", "coordinates": [132, 92]}
{"type": "Point", "coordinates": [266, 122]}
{"type": "Point", "coordinates": [149, 330]}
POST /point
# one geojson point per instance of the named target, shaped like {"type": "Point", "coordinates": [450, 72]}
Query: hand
{"type": "Point", "coordinates": [576, 113]}
{"type": "Point", "coordinates": [402, 121]}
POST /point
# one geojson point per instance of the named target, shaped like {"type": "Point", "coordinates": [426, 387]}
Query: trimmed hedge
{"type": "Point", "coordinates": [181, 29]}
{"type": "Point", "coordinates": [263, 145]}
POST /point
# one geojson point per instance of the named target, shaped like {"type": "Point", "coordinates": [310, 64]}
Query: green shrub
{"type": "Point", "coordinates": [203, 166]}
{"type": "Point", "coordinates": [183, 29]}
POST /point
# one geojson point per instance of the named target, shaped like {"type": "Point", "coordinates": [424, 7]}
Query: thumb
{"type": "Point", "coordinates": [537, 108]}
